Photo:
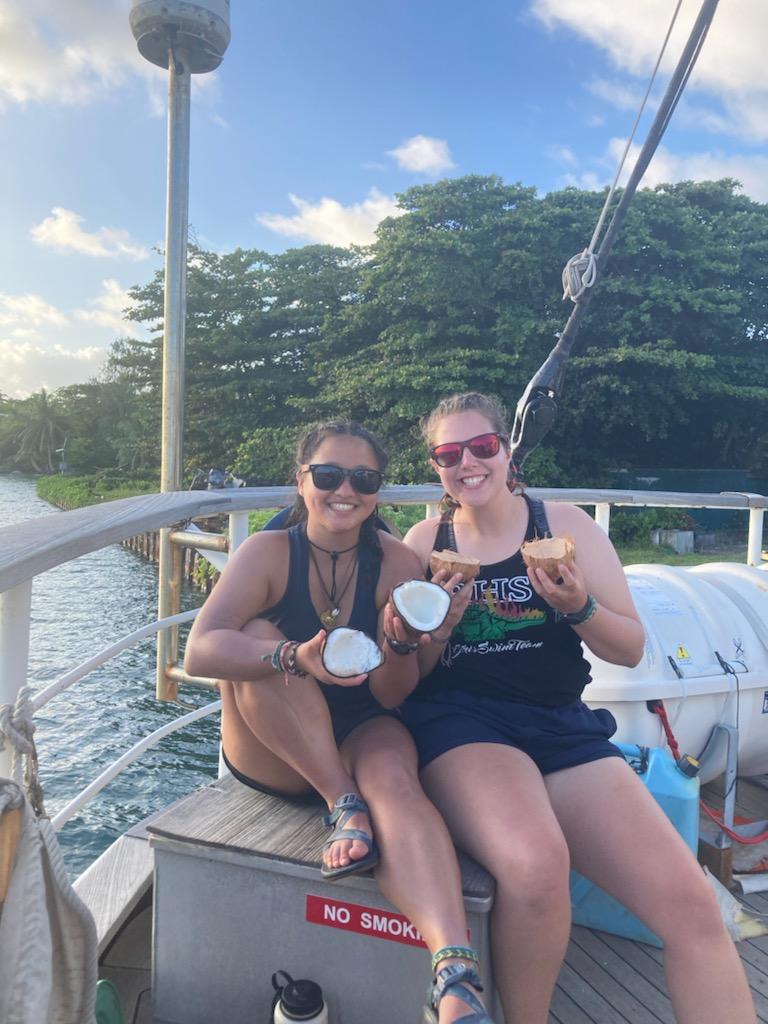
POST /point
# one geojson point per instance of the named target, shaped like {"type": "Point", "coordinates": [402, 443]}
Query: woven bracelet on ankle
{"type": "Point", "coordinates": [454, 952]}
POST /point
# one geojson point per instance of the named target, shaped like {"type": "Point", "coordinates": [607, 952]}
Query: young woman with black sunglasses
{"type": "Point", "coordinates": [291, 728]}
{"type": "Point", "coordinates": [524, 772]}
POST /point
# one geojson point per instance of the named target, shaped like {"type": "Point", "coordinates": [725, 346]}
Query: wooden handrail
{"type": "Point", "coordinates": [32, 547]}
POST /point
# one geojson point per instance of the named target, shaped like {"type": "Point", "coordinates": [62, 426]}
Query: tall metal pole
{"type": "Point", "coordinates": [174, 316]}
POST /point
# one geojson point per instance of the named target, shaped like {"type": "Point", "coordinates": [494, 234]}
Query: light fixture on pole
{"type": "Point", "coordinates": [187, 39]}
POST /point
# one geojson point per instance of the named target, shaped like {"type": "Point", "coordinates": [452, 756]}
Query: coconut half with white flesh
{"type": "Point", "coordinates": [422, 606]}
{"type": "Point", "coordinates": [350, 652]}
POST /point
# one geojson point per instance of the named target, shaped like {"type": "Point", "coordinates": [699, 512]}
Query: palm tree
{"type": "Point", "coordinates": [38, 430]}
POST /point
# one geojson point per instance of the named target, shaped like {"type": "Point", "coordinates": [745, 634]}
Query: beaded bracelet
{"type": "Point", "coordinates": [288, 659]}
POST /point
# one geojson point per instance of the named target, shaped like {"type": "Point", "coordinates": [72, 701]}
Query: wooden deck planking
{"type": "Point", "coordinates": [595, 971]}
{"type": "Point", "coordinates": [647, 992]}
{"type": "Point", "coordinates": [605, 979]}
{"type": "Point", "coordinates": [113, 885]}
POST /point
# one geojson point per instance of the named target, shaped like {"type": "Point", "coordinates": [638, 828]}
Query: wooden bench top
{"type": "Point", "coordinates": [227, 815]}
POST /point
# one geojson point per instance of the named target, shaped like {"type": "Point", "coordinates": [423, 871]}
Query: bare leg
{"type": "Point", "coordinates": [496, 807]}
{"type": "Point", "coordinates": [281, 736]}
{"type": "Point", "coordinates": [418, 871]}
{"type": "Point", "coordinates": [620, 838]}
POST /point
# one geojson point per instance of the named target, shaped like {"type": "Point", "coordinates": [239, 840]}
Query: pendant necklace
{"type": "Point", "coordinates": [329, 616]}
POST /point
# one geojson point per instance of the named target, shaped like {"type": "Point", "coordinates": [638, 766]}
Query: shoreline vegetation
{"type": "Point", "coordinates": [630, 529]}
{"type": "Point", "coordinates": [461, 291]}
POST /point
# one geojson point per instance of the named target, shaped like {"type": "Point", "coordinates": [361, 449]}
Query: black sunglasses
{"type": "Point", "coordinates": [327, 477]}
{"type": "Point", "coordinates": [483, 446]}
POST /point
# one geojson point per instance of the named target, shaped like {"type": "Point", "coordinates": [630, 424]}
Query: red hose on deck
{"type": "Point", "coordinates": [657, 707]}
{"type": "Point", "coordinates": [735, 836]}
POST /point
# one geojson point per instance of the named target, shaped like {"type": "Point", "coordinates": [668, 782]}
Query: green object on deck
{"type": "Point", "coordinates": [107, 1004]}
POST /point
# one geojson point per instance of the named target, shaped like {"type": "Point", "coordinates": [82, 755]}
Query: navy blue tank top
{"type": "Point", "coordinates": [508, 644]}
{"type": "Point", "coordinates": [295, 615]}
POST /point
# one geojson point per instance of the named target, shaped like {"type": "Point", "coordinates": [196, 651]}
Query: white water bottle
{"type": "Point", "coordinates": [300, 1000]}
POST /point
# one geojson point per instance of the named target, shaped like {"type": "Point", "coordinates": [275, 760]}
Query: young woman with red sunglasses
{"type": "Point", "coordinates": [523, 772]}
{"type": "Point", "coordinates": [291, 728]}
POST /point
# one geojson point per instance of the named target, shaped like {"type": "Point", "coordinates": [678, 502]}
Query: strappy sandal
{"type": "Point", "coordinates": [345, 808]}
{"type": "Point", "coordinates": [457, 980]}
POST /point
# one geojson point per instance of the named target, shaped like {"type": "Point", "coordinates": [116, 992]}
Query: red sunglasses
{"type": "Point", "coordinates": [484, 446]}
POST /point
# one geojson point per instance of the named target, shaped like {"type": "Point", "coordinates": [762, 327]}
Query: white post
{"type": "Point", "coordinates": [432, 509]}
{"type": "Point", "coordinates": [15, 608]}
{"type": "Point", "coordinates": [755, 538]}
{"type": "Point", "coordinates": [603, 515]}
{"type": "Point", "coordinates": [238, 530]}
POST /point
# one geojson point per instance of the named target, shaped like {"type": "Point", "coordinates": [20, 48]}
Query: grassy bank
{"type": "Point", "coordinates": [69, 492]}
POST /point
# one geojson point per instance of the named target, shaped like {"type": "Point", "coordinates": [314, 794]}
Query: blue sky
{"type": "Point", "coordinates": [318, 116]}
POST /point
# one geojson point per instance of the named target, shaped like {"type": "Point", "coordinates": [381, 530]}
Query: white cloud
{"type": "Point", "coordinates": [731, 67]}
{"type": "Point", "coordinates": [330, 222]}
{"type": "Point", "coordinates": [72, 51]}
{"type": "Point", "coordinates": [25, 311]}
{"type": "Point", "coordinates": [619, 94]}
{"type": "Point", "coordinates": [666, 166]}
{"type": "Point", "coordinates": [107, 309]}
{"type": "Point", "coordinates": [562, 154]}
{"type": "Point", "coordinates": [64, 52]}
{"type": "Point", "coordinates": [423, 154]}
{"type": "Point", "coordinates": [62, 232]}
{"type": "Point", "coordinates": [27, 366]}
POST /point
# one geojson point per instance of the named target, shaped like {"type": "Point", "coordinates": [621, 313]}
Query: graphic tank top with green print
{"type": "Point", "coordinates": [508, 644]}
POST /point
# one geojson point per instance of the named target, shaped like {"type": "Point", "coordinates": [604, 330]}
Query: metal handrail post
{"type": "Point", "coordinates": [15, 607]}
{"type": "Point", "coordinates": [174, 314]}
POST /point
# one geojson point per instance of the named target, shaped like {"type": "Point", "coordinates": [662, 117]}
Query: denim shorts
{"type": "Point", "coordinates": [553, 737]}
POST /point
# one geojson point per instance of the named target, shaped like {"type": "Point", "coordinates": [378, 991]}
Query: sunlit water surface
{"type": "Point", "coordinates": [78, 609]}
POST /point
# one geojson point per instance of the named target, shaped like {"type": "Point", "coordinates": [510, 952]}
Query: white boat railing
{"type": "Point", "coordinates": [30, 549]}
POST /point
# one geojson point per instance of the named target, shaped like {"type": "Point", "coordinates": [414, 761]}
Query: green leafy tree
{"type": "Point", "coordinates": [37, 428]}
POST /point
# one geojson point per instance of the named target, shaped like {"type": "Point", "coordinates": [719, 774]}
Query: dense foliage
{"type": "Point", "coordinates": [461, 291]}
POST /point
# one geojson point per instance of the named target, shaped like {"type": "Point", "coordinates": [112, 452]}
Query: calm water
{"type": "Point", "coordinates": [78, 609]}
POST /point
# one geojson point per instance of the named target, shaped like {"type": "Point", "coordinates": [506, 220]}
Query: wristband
{"type": "Point", "coordinates": [288, 659]}
{"type": "Point", "coordinates": [581, 616]}
{"type": "Point", "coordinates": [401, 646]}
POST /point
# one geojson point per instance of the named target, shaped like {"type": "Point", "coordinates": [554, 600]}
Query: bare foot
{"type": "Point", "coordinates": [342, 852]}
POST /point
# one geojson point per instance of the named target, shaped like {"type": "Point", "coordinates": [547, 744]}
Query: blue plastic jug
{"type": "Point", "coordinates": [678, 796]}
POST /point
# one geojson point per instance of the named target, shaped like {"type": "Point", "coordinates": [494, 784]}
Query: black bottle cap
{"type": "Point", "coordinates": [301, 999]}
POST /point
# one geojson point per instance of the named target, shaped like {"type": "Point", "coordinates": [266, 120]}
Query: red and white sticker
{"type": "Point", "coordinates": [352, 917]}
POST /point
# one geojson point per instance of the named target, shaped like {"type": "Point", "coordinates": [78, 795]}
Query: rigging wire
{"type": "Point", "coordinates": [536, 409]}
{"type": "Point", "coordinates": [580, 272]}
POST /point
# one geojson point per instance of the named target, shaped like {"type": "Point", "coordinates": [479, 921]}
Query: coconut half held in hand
{"type": "Point", "coordinates": [453, 562]}
{"type": "Point", "coordinates": [350, 652]}
{"type": "Point", "coordinates": [549, 554]}
{"type": "Point", "coordinates": [422, 606]}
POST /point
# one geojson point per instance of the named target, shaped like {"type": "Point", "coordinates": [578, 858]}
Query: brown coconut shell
{"type": "Point", "coordinates": [549, 554]}
{"type": "Point", "coordinates": [453, 562]}
{"type": "Point", "coordinates": [412, 630]}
